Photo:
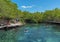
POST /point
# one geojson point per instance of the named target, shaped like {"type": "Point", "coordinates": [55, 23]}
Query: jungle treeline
{"type": "Point", "coordinates": [10, 10]}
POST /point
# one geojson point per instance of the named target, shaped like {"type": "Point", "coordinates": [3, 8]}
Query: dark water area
{"type": "Point", "coordinates": [32, 33]}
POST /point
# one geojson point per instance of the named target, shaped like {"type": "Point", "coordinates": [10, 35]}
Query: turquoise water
{"type": "Point", "coordinates": [32, 33]}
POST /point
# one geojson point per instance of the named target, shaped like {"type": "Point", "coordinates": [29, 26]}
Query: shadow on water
{"type": "Point", "coordinates": [8, 36]}
{"type": "Point", "coordinates": [56, 28]}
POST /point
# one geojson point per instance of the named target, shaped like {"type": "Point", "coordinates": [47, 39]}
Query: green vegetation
{"type": "Point", "coordinates": [9, 10]}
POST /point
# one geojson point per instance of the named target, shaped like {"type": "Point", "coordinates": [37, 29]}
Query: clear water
{"type": "Point", "coordinates": [32, 33]}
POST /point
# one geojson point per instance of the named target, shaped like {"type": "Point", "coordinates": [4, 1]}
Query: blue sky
{"type": "Point", "coordinates": [37, 5]}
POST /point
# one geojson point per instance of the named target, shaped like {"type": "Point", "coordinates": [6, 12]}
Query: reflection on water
{"type": "Point", "coordinates": [56, 28]}
{"type": "Point", "coordinates": [32, 33]}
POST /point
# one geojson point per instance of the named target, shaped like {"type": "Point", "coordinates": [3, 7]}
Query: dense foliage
{"type": "Point", "coordinates": [9, 9]}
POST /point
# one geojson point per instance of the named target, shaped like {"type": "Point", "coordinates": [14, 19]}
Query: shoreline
{"type": "Point", "coordinates": [11, 26]}
{"type": "Point", "coordinates": [46, 23]}
{"type": "Point", "coordinates": [19, 24]}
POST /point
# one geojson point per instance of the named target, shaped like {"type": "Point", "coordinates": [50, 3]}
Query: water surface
{"type": "Point", "coordinates": [32, 33]}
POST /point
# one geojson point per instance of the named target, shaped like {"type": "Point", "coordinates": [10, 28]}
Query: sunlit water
{"type": "Point", "coordinates": [32, 33]}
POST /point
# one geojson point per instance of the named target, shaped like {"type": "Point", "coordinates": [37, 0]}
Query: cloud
{"type": "Point", "coordinates": [26, 6]}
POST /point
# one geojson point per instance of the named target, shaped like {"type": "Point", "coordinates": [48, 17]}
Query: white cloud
{"type": "Point", "coordinates": [26, 6]}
